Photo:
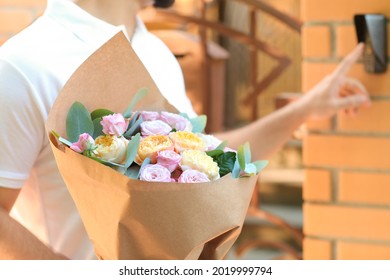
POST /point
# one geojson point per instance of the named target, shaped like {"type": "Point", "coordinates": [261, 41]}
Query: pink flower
{"type": "Point", "coordinates": [149, 115]}
{"type": "Point", "coordinates": [176, 121]}
{"type": "Point", "coordinates": [155, 128]}
{"type": "Point", "coordinates": [193, 176]}
{"type": "Point", "coordinates": [114, 124]}
{"type": "Point", "coordinates": [85, 142]}
{"type": "Point", "coordinates": [168, 159]}
{"type": "Point", "coordinates": [155, 173]}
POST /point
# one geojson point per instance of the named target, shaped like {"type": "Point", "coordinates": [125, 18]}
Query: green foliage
{"type": "Point", "coordinates": [198, 124]}
{"type": "Point", "coordinates": [225, 162]}
{"type": "Point", "coordinates": [137, 97]}
{"type": "Point", "coordinates": [99, 113]}
{"type": "Point", "coordinates": [132, 149]}
{"type": "Point", "coordinates": [78, 121]}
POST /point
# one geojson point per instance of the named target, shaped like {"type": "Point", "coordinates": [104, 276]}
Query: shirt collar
{"type": "Point", "coordinates": [85, 26]}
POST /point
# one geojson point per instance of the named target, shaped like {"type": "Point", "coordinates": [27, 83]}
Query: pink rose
{"type": "Point", "coordinates": [155, 128]}
{"type": "Point", "coordinates": [155, 173]}
{"type": "Point", "coordinates": [168, 159]}
{"type": "Point", "coordinates": [85, 142]}
{"type": "Point", "coordinates": [176, 121]}
{"type": "Point", "coordinates": [114, 124]}
{"type": "Point", "coordinates": [149, 116]}
{"type": "Point", "coordinates": [193, 176]}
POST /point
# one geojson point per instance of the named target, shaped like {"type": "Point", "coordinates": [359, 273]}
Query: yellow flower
{"type": "Point", "coordinates": [199, 160]}
{"type": "Point", "coordinates": [111, 148]}
{"type": "Point", "coordinates": [150, 145]}
{"type": "Point", "coordinates": [185, 140]}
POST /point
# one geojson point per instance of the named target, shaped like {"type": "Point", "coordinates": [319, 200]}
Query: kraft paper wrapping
{"type": "Point", "coordinates": [132, 219]}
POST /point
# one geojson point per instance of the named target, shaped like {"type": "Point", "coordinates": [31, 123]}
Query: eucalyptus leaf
{"type": "Point", "coordinates": [98, 128]}
{"type": "Point", "coordinates": [222, 146]}
{"type": "Point", "coordinates": [260, 165]}
{"type": "Point", "coordinates": [133, 171]}
{"type": "Point", "coordinates": [99, 113]}
{"type": "Point", "coordinates": [108, 163]}
{"type": "Point", "coordinates": [250, 169]}
{"type": "Point", "coordinates": [236, 170]}
{"type": "Point", "coordinates": [144, 163]}
{"type": "Point", "coordinates": [241, 157]}
{"type": "Point", "coordinates": [132, 150]}
{"type": "Point", "coordinates": [78, 121]}
{"type": "Point", "coordinates": [247, 153]}
{"type": "Point", "coordinates": [136, 127]}
{"type": "Point", "coordinates": [226, 162]}
{"type": "Point", "coordinates": [185, 115]}
{"type": "Point", "coordinates": [198, 124]}
{"type": "Point", "coordinates": [137, 97]}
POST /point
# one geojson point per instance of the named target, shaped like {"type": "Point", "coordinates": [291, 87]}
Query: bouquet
{"type": "Point", "coordinates": [128, 171]}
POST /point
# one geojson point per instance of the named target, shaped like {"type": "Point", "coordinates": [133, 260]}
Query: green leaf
{"type": "Point", "coordinates": [133, 172]}
{"type": "Point", "coordinates": [135, 128]}
{"type": "Point", "coordinates": [185, 115]}
{"type": "Point", "coordinates": [137, 97]}
{"type": "Point", "coordinates": [78, 121]}
{"type": "Point", "coordinates": [241, 157]}
{"type": "Point", "coordinates": [247, 153]}
{"type": "Point", "coordinates": [226, 163]}
{"type": "Point", "coordinates": [132, 150]}
{"type": "Point", "coordinates": [64, 141]}
{"type": "Point", "coordinates": [250, 170]}
{"type": "Point", "coordinates": [98, 128]}
{"type": "Point", "coordinates": [260, 165]}
{"type": "Point", "coordinates": [198, 124]}
{"type": "Point", "coordinates": [214, 153]}
{"type": "Point", "coordinates": [99, 113]}
{"type": "Point", "coordinates": [144, 163]}
{"type": "Point", "coordinates": [108, 163]}
{"type": "Point", "coordinates": [236, 170]}
{"type": "Point", "coordinates": [222, 146]}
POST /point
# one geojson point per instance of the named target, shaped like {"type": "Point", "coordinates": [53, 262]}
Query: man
{"type": "Point", "coordinates": [38, 219]}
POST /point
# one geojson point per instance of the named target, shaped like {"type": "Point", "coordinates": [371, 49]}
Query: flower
{"type": "Point", "coordinates": [155, 173]}
{"type": "Point", "coordinates": [211, 141]}
{"type": "Point", "coordinates": [176, 121]}
{"type": "Point", "coordinates": [149, 115]}
{"type": "Point", "coordinates": [155, 128]}
{"type": "Point", "coordinates": [150, 145]}
{"type": "Point", "coordinates": [199, 160]}
{"type": "Point", "coordinates": [85, 142]}
{"type": "Point", "coordinates": [185, 140]}
{"type": "Point", "coordinates": [168, 159]}
{"type": "Point", "coordinates": [193, 176]}
{"type": "Point", "coordinates": [111, 148]}
{"type": "Point", "coordinates": [114, 124]}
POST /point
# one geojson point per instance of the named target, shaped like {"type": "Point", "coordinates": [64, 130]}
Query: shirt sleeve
{"type": "Point", "coordinates": [21, 125]}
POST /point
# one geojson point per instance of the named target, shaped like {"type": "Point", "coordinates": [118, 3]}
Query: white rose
{"type": "Point", "coordinates": [111, 148]}
{"type": "Point", "coordinates": [211, 141]}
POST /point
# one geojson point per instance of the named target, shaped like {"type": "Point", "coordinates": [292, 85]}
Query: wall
{"type": "Point", "coordinates": [17, 14]}
{"type": "Point", "coordinates": [347, 186]}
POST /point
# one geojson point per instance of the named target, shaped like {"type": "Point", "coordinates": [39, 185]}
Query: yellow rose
{"type": "Point", "coordinates": [199, 160]}
{"type": "Point", "coordinates": [150, 145]}
{"type": "Point", "coordinates": [111, 148]}
{"type": "Point", "coordinates": [185, 140]}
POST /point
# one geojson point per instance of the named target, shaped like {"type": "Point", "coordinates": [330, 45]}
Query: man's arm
{"type": "Point", "coordinates": [16, 242]}
{"type": "Point", "coordinates": [335, 92]}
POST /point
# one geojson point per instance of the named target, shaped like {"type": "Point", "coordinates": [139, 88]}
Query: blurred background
{"type": "Point", "coordinates": [326, 193]}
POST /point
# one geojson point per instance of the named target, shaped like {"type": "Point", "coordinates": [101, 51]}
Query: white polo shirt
{"type": "Point", "coordinates": [34, 66]}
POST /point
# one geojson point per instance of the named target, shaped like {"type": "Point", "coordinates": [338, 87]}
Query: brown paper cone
{"type": "Point", "coordinates": [132, 219]}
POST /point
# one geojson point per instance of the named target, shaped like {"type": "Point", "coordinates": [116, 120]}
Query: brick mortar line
{"type": "Point", "coordinates": [351, 134]}
{"type": "Point", "coordinates": [350, 240]}
{"type": "Point", "coordinates": [348, 169]}
{"type": "Point", "coordinates": [350, 204]}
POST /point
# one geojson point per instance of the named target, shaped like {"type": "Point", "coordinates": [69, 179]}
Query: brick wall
{"type": "Point", "coordinates": [347, 185]}
{"type": "Point", "coordinates": [17, 14]}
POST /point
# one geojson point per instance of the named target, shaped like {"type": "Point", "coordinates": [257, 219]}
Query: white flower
{"type": "Point", "coordinates": [111, 148]}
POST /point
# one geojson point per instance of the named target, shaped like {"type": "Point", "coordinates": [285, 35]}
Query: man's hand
{"type": "Point", "coordinates": [337, 92]}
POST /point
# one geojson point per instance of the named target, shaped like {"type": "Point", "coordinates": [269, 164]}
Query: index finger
{"type": "Point", "coordinates": [349, 60]}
